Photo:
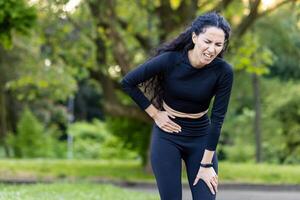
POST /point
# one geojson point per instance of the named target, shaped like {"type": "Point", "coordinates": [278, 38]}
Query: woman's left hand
{"type": "Point", "coordinates": [209, 176]}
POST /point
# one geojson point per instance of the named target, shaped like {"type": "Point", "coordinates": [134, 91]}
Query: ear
{"type": "Point", "coordinates": [194, 37]}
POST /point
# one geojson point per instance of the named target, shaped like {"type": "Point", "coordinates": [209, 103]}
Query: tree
{"type": "Point", "coordinates": [15, 17]}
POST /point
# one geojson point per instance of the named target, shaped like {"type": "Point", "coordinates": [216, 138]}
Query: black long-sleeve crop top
{"type": "Point", "coordinates": [186, 88]}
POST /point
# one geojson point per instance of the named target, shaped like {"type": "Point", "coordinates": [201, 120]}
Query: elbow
{"type": "Point", "coordinates": [125, 85]}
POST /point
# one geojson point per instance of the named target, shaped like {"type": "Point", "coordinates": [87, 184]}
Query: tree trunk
{"type": "Point", "coordinates": [257, 120]}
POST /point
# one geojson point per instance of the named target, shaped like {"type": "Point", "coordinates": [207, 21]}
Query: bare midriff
{"type": "Point", "coordinates": [182, 114]}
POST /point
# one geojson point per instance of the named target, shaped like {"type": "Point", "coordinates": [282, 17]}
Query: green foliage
{"type": "Point", "coordinates": [236, 140]}
{"type": "Point", "coordinates": [240, 152]}
{"type": "Point", "coordinates": [235, 11]}
{"type": "Point", "coordinates": [41, 82]}
{"type": "Point", "coordinates": [237, 131]}
{"type": "Point", "coordinates": [64, 43]}
{"type": "Point", "coordinates": [134, 134]}
{"type": "Point", "coordinates": [251, 56]}
{"type": "Point", "coordinates": [15, 16]}
{"type": "Point", "coordinates": [72, 191]}
{"type": "Point", "coordinates": [31, 140]}
{"type": "Point", "coordinates": [280, 33]}
{"type": "Point", "coordinates": [277, 133]}
{"type": "Point", "coordinates": [289, 115]}
{"type": "Point", "coordinates": [93, 140]}
{"type": "Point", "coordinates": [175, 4]}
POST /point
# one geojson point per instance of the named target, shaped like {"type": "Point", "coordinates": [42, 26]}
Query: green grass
{"type": "Point", "coordinates": [45, 169]}
{"type": "Point", "coordinates": [259, 173]}
{"type": "Point", "coordinates": [65, 191]}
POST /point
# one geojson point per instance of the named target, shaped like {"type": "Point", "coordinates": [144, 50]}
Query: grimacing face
{"type": "Point", "coordinates": [208, 44]}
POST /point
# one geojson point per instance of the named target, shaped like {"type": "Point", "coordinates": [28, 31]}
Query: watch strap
{"type": "Point", "coordinates": [206, 165]}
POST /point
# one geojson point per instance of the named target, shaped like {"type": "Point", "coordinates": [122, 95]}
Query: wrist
{"type": "Point", "coordinates": [152, 111]}
{"type": "Point", "coordinates": [205, 162]}
{"type": "Point", "coordinates": [206, 165]}
{"type": "Point", "coordinates": [207, 156]}
{"type": "Point", "coordinates": [153, 114]}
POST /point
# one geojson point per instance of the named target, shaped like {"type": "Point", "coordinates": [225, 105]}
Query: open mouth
{"type": "Point", "coordinates": [207, 55]}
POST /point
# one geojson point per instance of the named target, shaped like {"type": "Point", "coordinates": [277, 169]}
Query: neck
{"type": "Point", "coordinates": [193, 59]}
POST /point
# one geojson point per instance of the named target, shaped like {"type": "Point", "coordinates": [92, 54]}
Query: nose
{"type": "Point", "coordinates": [211, 49]}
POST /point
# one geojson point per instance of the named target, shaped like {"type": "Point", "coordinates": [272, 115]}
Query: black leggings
{"type": "Point", "coordinates": [167, 150]}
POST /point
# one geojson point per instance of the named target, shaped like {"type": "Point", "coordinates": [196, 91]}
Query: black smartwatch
{"type": "Point", "coordinates": [206, 165]}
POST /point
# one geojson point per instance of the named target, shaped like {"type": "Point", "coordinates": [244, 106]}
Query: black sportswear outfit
{"type": "Point", "coordinates": [186, 89]}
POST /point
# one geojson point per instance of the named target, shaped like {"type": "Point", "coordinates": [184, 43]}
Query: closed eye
{"type": "Point", "coordinates": [208, 42]}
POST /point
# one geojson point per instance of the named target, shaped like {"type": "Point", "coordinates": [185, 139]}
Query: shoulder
{"type": "Point", "coordinates": [224, 67]}
{"type": "Point", "coordinates": [169, 56]}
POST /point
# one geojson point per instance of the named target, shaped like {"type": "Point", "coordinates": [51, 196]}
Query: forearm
{"type": "Point", "coordinates": [151, 110]}
{"type": "Point", "coordinates": [207, 156]}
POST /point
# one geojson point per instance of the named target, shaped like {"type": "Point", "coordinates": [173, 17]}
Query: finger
{"type": "Point", "coordinates": [216, 179]}
{"type": "Point", "coordinates": [175, 129]}
{"type": "Point", "coordinates": [174, 124]}
{"type": "Point", "coordinates": [171, 127]}
{"type": "Point", "coordinates": [196, 180]}
{"type": "Point", "coordinates": [214, 184]}
{"type": "Point", "coordinates": [167, 129]}
{"type": "Point", "coordinates": [170, 115]}
{"type": "Point", "coordinates": [215, 174]}
{"type": "Point", "coordinates": [210, 186]}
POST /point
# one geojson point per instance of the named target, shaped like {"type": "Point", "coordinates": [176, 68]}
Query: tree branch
{"type": "Point", "coordinates": [248, 20]}
{"type": "Point", "coordinates": [268, 11]}
{"type": "Point", "coordinates": [168, 22]}
{"type": "Point", "coordinates": [112, 105]}
{"type": "Point", "coordinates": [222, 5]}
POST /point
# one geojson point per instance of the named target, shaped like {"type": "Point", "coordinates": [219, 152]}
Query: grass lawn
{"type": "Point", "coordinates": [259, 173]}
{"type": "Point", "coordinates": [67, 191]}
{"type": "Point", "coordinates": [47, 169]}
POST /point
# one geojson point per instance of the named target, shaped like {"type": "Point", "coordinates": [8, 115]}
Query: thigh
{"type": "Point", "coordinates": [192, 161]}
{"type": "Point", "coordinates": [166, 165]}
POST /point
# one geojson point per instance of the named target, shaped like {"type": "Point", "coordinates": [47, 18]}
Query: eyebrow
{"type": "Point", "coordinates": [216, 42]}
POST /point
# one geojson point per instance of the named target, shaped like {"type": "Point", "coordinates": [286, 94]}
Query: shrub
{"type": "Point", "coordinates": [93, 140]}
{"type": "Point", "coordinates": [31, 139]}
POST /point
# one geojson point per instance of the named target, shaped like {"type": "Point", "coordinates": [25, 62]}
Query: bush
{"type": "Point", "coordinates": [134, 134]}
{"type": "Point", "coordinates": [93, 140]}
{"type": "Point", "coordinates": [31, 139]}
{"type": "Point", "coordinates": [240, 153]}
{"type": "Point", "coordinates": [289, 116]}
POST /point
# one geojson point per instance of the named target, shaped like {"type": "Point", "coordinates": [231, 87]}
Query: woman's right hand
{"type": "Point", "coordinates": [163, 121]}
{"type": "Point", "coordinates": [209, 176]}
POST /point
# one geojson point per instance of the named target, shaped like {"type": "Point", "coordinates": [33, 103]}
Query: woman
{"type": "Point", "coordinates": [183, 77]}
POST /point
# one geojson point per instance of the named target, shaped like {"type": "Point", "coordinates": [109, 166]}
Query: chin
{"type": "Point", "coordinates": [207, 62]}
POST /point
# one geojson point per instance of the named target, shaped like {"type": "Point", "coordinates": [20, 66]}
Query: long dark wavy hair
{"type": "Point", "coordinates": [153, 87]}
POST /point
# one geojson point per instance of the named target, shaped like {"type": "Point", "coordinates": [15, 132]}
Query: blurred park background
{"type": "Point", "coordinates": [64, 117]}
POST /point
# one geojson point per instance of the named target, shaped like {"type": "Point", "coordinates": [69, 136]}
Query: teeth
{"type": "Point", "coordinates": [207, 55]}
